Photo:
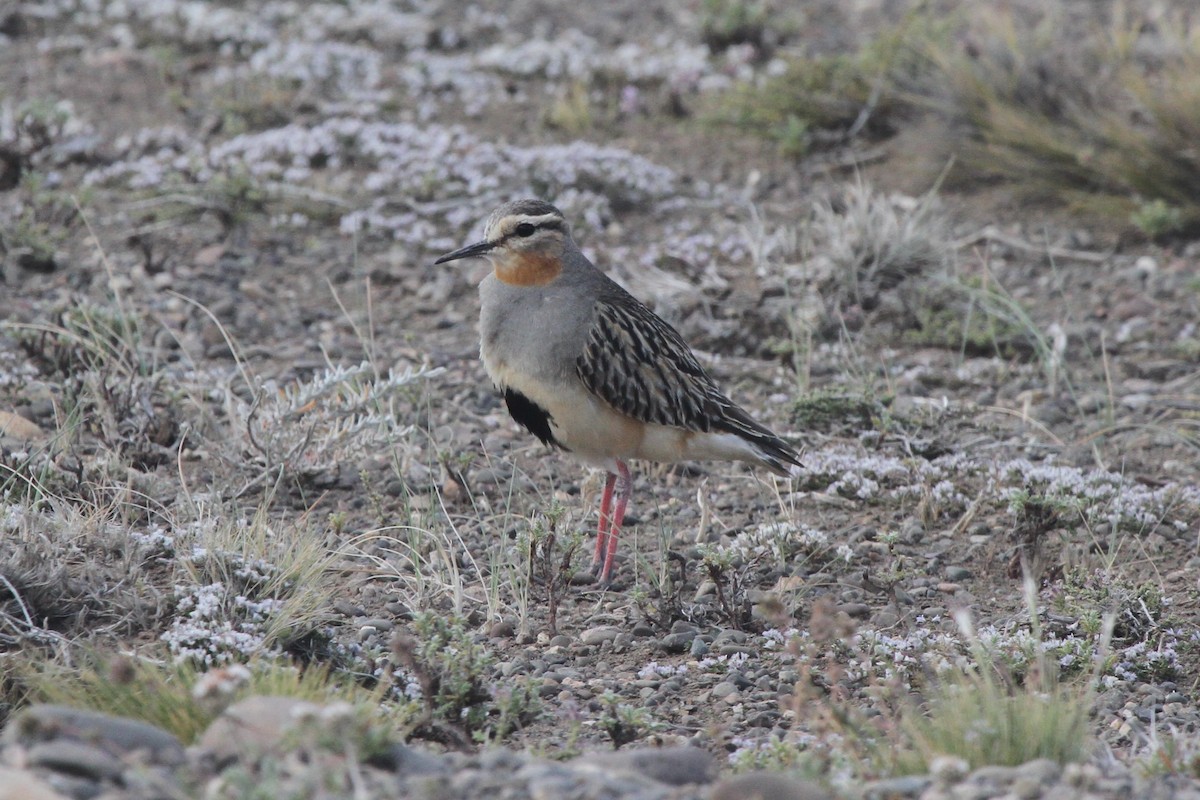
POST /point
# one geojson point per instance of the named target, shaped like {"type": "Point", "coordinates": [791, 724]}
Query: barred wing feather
{"type": "Point", "coordinates": [641, 366]}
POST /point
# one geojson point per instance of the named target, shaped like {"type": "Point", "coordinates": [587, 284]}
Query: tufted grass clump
{"type": "Point", "coordinates": [247, 586]}
{"type": "Point", "coordinates": [177, 696]}
{"type": "Point", "coordinates": [870, 242]}
{"type": "Point", "coordinates": [1102, 120]}
{"type": "Point", "coordinates": [1099, 116]}
{"type": "Point", "coordinates": [818, 100]}
{"type": "Point", "coordinates": [987, 713]}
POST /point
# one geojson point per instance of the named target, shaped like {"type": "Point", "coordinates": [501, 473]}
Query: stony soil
{"type": "Point", "coordinates": [267, 193]}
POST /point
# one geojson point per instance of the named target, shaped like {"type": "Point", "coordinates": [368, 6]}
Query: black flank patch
{"type": "Point", "coordinates": [530, 416]}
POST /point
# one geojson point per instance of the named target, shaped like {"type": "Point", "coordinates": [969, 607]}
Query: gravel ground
{"type": "Point", "coordinates": [265, 193]}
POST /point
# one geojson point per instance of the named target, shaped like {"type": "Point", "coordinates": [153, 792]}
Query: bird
{"type": "Point", "coordinates": [588, 369]}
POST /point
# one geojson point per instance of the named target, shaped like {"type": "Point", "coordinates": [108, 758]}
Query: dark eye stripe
{"type": "Point", "coordinates": [527, 229]}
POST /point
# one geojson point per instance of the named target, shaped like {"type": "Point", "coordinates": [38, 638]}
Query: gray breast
{"type": "Point", "coordinates": [538, 332]}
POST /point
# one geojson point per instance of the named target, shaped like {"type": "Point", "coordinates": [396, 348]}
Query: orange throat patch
{"type": "Point", "coordinates": [529, 269]}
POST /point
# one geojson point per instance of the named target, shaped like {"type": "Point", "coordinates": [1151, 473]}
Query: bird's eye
{"type": "Point", "coordinates": [526, 229]}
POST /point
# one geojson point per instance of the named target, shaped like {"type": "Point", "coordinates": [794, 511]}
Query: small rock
{"type": "Point", "coordinates": [34, 260]}
{"type": "Point", "coordinates": [44, 723]}
{"type": "Point", "coordinates": [348, 609]}
{"type": "Point", "coordinates": [994, 774]}
{"type": "Point", "coordinates": [892, 788]}
{"type": "Point", "coordinates": [1043, 770]}
{"type": "Point", "coordinates": [16, 427]}
{"type": "Point", "coordinates": [885, 618]}
{"type": "Point", "coordinates": [597, 635]}
{"type": "Point", "coordinates": [855, 610]}
{"type": "Point", "coordinates": [398, 610]}
{"type": "Point", "coordinates": [767, 786]}
{"type": "Point", "coordinates": [379, 623]}
{"type": "Point", "coordinates": [485, 476]}
{"type": "Point", "coordinates": [673, 766]}
{"type": "Point", "coordinates": [724, 689]}
{"type": "Point", "coordinates": [729, 635]}
{"type": "Point", "coordinates": [498, 759]}
{"type": "Point", "coordinates": [254, 724]}
{"type": "Point", "coordinates": [18, 785]}
{"type": "Point", "coordinates": [1025, 788]}
{"type": "Point", "coordinates": [958, 573]}
{"type": "Point", "coordinates": [736, 649]}
{"type": "Point", "coordinates": [409, 761]}
{"type": "Point", "coordinates": [1083, 776]}
{"type": "Point", "coordinates": [1137, 400]}
{"type": "Point", "coordinates": [677, 642]}
{"type": "Point", "coordinates": [912, 531]}
{"type": "Point", "coordinates": [75, 758]}
{"type": "Point", "coordinates": [948, 770]}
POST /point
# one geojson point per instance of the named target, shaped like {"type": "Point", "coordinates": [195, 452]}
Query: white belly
{"type": "Point", "coordinates": [599, 435]}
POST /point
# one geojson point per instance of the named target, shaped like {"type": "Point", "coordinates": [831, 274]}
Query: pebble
{"type": "Point", "coordinates": [348, 609]}
{"type": "Point", "coordinates": [892, 788]}
{"type": "Point", "coordinates": [723, 689]}
{"type": "Point", "coordinates": [885, 618]}
{"type": "Point", "coordinates": [409, 760]}
{"type": "Point", "coordinates": [995, 774]}
{"type": "Point", "coordinates": [379, 623]}
{"type": "Point", "coordinates": [855, 610]}
{"type": "Point", "coordinates": [43, 723]}
{"type": "Point", "coordinates": [947, 770]}
{"type": "Point", "coordinates": [734, 649]}
{"type": "Point", "coordinates": [81, 758]}
{"type": "Point", "coordinates": [731, 636]}
{"type": "Point", "coordinates": [75, 758]}
{"type": "Point", "coordinates": [603, 633]}
{"type": "Point", "coordinates": [258, 722]}
{"type": "Point", "coordinates": [677, 642]}
{"type": "Point", "coordinates": [20, 785]}
{"type": "Point", "coordinates": [764, 785]}
{"type": "Point", "coordinates": [673, 766]}
{"type": "Point", "coordinates": [18, 429]}
{"type": "Point", "coordinates": [484, 477]}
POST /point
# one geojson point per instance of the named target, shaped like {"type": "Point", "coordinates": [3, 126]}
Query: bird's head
{"type": "Point", "coordinates": [525, 241]}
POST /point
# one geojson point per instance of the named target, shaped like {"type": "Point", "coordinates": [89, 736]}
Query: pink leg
{"type": "Point", "coordinates": [624, 492]}
{"type": "Point", "coordinates": [605, 521]}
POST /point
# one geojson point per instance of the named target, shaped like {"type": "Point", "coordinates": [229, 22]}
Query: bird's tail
{"type": "Point", "coordinates": [773, 453]}
{"type": "Point", "coordinates": [777, 455]}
